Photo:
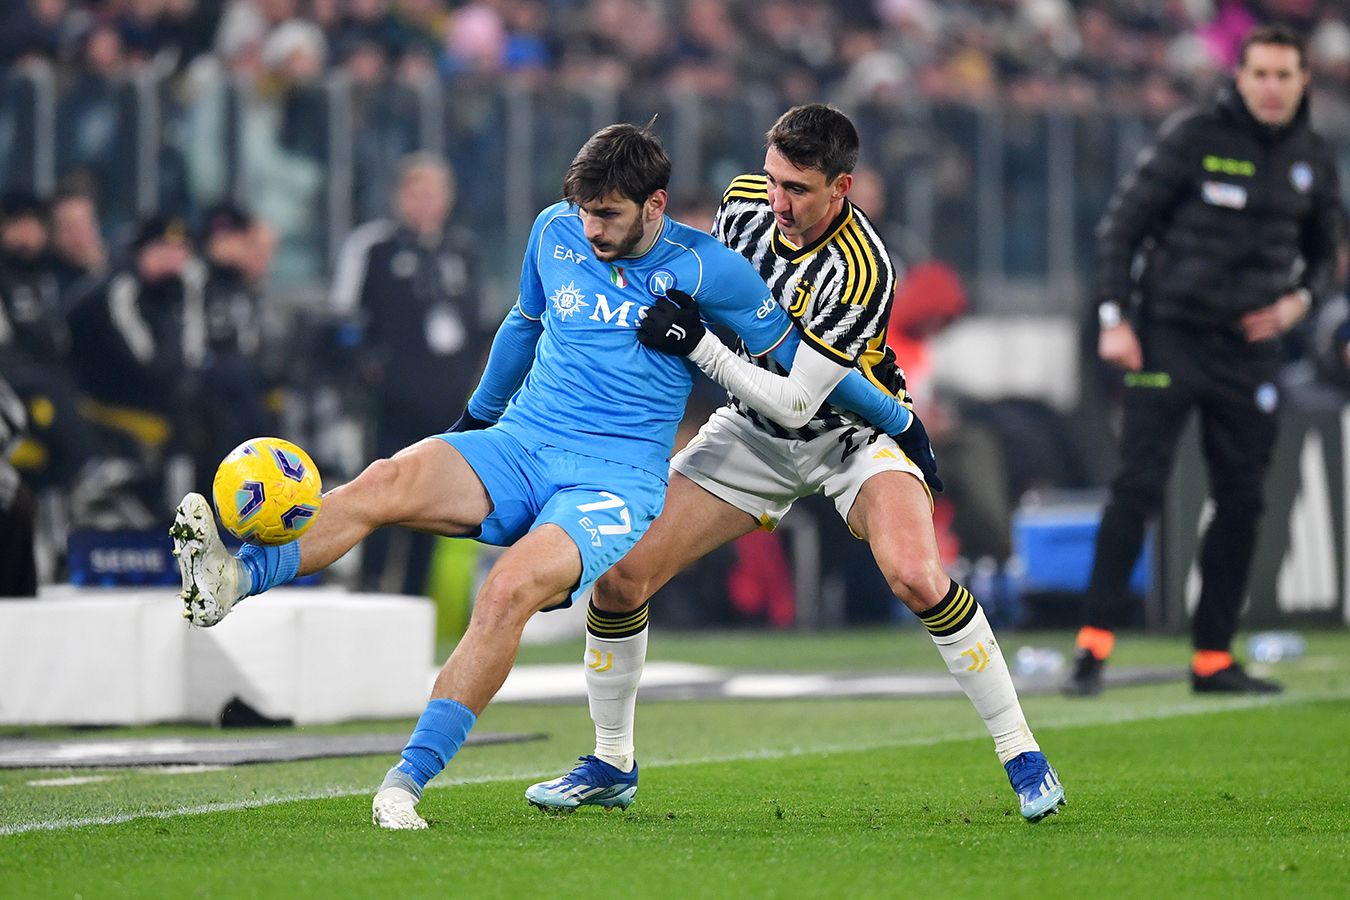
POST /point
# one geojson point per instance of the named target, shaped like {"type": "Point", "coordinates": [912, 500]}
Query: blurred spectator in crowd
{"type": "Point", "coordinates": [81, 256]}
{"type": "Point", "coordinates": [412, 284]}
{"type": "Point", "coordinates": [34, 342]}
{"type": "Point", "coordinates": [245, 26]}
{"type": "Point", "coordinates": [235, 375]}
{"type": "Point", "coordinates": [28, 286]}
{"type": "Point", "coordinates": [18, 568]}
{"type": "Point", "coordinates": [35, 347]}
{"type": "Point", "coordinates": [140, 342]}
{"type": "Point", "coordinates": [96, 124]}
{"type": "Point", "coordinates": [368, 22]}
{"type": "Point", "coordinates": [34, 29]}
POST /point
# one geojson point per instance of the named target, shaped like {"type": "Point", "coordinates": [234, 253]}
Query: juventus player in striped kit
{"type": "Point", "coordinates": [826, 265]}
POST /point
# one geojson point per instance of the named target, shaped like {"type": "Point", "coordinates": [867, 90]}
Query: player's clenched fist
{"type": "Point", "coordinates": [672, 325]}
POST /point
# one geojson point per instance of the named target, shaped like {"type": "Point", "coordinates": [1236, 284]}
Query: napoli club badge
{"type": "Point", "coordinates": [660, 281]}
{"type": "Point", "coordinates": [1301, 177]}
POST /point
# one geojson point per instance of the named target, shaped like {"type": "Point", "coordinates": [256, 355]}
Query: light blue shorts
{"type": "Point", "coordinates": [604, 506]}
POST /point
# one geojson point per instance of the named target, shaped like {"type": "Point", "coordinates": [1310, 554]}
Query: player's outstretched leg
{"type": "Point", "coordinates": [213, 580]}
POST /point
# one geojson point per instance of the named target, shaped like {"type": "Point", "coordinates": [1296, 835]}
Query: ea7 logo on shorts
{"type": "Point", "coordinates": [596, 531]}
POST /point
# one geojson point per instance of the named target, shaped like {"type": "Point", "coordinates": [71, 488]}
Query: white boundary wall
{"type": "Point", "coordinates": [124, 656]}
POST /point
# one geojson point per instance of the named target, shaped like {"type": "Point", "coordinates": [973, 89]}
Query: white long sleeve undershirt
{"type": "Point", "coordinates": [790, 400]}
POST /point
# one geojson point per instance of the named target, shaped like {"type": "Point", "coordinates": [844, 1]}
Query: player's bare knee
{"type": "Point", "coordinates": [508, 596]}
{"type": "Point", "coordinates": [386, 488]}
{"type": "Point", "coordinates": [919, 583]}
{"type": "Point", "coordinates": [380, 478]}
{"type": "Point", "coordinates": [619, 590]}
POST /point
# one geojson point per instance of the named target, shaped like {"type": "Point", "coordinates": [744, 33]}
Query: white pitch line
{"type": "Point", "coordinates": [65, 782]}
{"type": "Point", "coordinates": [1194, 708]}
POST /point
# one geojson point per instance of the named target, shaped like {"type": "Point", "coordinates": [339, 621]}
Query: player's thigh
{"type": "Point", "coordinates": [437, 489]}
{"type": "Point", "coordinates": [893, 513]}
{"type": "Point", "coordinates": [692, 524]}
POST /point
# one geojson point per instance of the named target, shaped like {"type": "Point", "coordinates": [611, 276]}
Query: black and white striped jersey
{"type": "Point", "coordinates": [837, 289]}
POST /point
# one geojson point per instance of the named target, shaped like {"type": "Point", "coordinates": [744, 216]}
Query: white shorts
{"type": "Point", "coordinates": [763, 475]}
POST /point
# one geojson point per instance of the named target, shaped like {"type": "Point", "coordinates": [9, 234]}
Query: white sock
{"type": "Point", "coordinates": [973, 656]}
{"type": "Point", "coordinates": [614, 660]}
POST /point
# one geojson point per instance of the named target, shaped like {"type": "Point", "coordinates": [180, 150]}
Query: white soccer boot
{"type": "Point", "coordinates": [395, 809]}
{"type": "Point", "coordinates": [210, 574]}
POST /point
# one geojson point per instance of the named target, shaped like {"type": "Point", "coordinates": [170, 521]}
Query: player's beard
{"type": "Point", "coordinates": [625, 246]}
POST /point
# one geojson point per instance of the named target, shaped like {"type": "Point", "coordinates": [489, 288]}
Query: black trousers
{"type": "Point", "coordinates": [1231, 384]}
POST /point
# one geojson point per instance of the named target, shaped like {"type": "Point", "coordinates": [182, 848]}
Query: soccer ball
{"type": "Point", "coordinates": [267, 491]}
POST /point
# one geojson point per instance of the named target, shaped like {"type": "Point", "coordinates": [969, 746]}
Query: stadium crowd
{"type": "Point", "coordinates": [1130, 53]}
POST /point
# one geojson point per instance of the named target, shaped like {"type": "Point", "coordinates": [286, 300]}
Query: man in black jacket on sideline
{"type": "Point", "coordinates": [412, 284]}
{"type": "Point", "coordinates": [1236, 213]}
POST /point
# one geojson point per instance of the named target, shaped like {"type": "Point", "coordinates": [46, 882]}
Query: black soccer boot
{"type": "Point", "coordinates": [1085, 679]}
{"type": "Point", "coordinates": [1233, 680]}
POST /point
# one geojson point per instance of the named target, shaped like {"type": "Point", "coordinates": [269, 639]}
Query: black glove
{"type": "Point", "coordinates": [672, 324]}
{"type": "Point", "coordinates": [891, 376]}
{"type": "Point", "coordinates": [468, 422]}
{"type": "Point", "coordinates": [914, 441]}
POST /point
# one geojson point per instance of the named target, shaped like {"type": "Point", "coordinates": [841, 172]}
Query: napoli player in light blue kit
{"type": "Point", "coordinates": [563, 451]}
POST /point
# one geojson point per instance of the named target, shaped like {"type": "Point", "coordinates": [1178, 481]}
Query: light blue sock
{"type": "Point", "coordinates": [439, 734]}
{"type": "Point", "coordinates": [268, 567]}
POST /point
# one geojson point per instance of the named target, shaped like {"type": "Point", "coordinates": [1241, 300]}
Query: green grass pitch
{"type": "Point", "coordinates": [1169, 795]}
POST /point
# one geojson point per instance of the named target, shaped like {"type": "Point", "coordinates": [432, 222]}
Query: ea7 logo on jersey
{"type": "Point", "coordinates": [568, 300]}
{"type": "Point", "coordinates": [567, 253]}
{"type": "Point", "coordinates": [597, 530]}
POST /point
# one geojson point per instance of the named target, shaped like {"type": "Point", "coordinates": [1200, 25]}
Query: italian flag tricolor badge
{"type": "Point", "coordinates": [616, 277]}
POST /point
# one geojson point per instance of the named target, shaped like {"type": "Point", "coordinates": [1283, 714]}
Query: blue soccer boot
{"type": "Point", "coordinates": [1039, 793]}
{"type": "Point", "coordinates": [593, 782]}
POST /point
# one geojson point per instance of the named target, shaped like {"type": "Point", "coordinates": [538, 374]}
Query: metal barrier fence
{"type": "Point", "coordinates": [1008, 195]}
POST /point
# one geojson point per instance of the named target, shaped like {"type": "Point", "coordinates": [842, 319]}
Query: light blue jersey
{"type": "Point", "coordinates": [593, 389]}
